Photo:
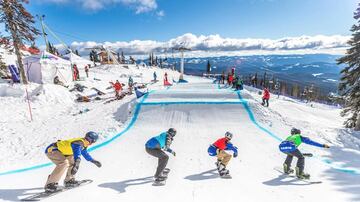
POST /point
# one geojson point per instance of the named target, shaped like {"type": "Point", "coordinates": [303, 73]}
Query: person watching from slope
{"type": "Point", "coordinates": [218, 149]}
{"type": "Point", "coordinates": [65, 154]}
{"type": "Point", "coordinates": [290, 148]}
{"type": "Point", "coordinates": [156, 147]}
{"type": "Point", "coordinates": [118, 88]}
{"type": "Point", "coordinates": [266, 97]}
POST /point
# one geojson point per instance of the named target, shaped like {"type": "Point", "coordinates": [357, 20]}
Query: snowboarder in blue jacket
{"type": "Point", "coordinates": [290, 147]}
{"type": "Point", "coordinates": [156, 147]}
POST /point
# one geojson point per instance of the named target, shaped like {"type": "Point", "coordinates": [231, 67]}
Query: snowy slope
{"type": "Point", "coordinates": [201, 112]}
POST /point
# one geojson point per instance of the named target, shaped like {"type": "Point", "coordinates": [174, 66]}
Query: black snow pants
{"type": "Point", "coordinates": [300, 162]}
{"type": "Point", "coordinates": [265, 102]}
{"type": "Point", "coordinates": [163, 159]}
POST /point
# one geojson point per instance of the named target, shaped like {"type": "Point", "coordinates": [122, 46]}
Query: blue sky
{"type": "Point", "coordinates": [118, 21]}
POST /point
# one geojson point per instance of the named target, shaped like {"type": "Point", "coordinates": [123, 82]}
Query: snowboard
{"type": "Point", "coordinates": [44, 195]}
{"type": "Point", "coordinates": [162, 183]}
{"type": "Point", "coordinates": [310, 181]}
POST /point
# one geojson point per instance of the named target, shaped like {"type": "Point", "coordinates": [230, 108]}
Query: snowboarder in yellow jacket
{"type": "Point", "coordinates": [65, 154]}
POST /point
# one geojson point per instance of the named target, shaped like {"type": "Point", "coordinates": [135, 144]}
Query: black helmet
{"type": "Point", "coordinates": [228, 135]}
{"type": "Point", "coordinates": [91, 136]}
{"type": "Point", "coordinates": [295, 131]}
{"type": "Point", "coordinates": [171, 132]}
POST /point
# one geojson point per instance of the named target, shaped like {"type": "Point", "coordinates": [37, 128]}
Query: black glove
{"type": "Point", "coordinates": [97, 163]}
{"type": "Point", "coordinates": [173, 153]}
{"type": "Point", "coordinates": [75, 167]}
{"type": "Point", "coordinates": [326, 146]}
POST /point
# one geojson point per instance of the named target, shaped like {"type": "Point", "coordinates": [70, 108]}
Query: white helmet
{"type": "Point", "coordinates": [228, 135]}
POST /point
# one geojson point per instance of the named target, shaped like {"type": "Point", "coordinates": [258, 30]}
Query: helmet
{"type": "Point", "coordinates": [228, 135]}
{"type": "Point", "coordinates": [171, 132]}
{"type": "Point", "coordinates": [91, 136]}
{"type": "Point", "coordinates": [295, 131]}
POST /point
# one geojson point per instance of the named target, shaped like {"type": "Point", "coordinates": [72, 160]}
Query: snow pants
{"type": "Point", "coordinates": [300, 162]}
{"type": "Point", "coordinates": [265, 101]}
{"type": "Point", "coordinates": [162, 162]}
{"type": "Point", "coordinates": [223, 157]}
{"type": "Point", "coordinates": [63, 163]}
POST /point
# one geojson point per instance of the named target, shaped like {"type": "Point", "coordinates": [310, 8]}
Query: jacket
{"type": "Point", "coordinates": [294, 141]}
{"type": "Point", "coordinates": [75, 147]}
{"type": "Point", "coordinates": [162, 141]}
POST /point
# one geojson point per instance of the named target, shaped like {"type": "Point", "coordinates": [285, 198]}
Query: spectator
{"type": "Point", "coordinates": [266, 97]}
{"type": "Point", "coordinates": [87, 71]}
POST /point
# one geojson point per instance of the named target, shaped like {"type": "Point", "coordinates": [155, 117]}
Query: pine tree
{"type": "Point", "coordinates": [150, 60]}
{"type": "Point", "coordinates": [77, 52]}
{"type": "Point", "coordinates": [20, 24]}
{"type": "Point", "coordinates": [349, 86]}
{"type": "Point", "coordinates": [122, 57]}
{"type": "Point", "coordinates": [50, 48]}
{"type": "Point", "coordinates": [208, 67]}
{"type": "Point", "coordinates": [3, 68]}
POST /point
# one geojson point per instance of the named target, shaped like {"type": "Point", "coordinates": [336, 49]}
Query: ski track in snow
{"type": "Point", "coordinates": [127, 169]}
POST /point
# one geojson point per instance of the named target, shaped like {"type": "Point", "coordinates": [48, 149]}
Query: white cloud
{"type": "Point", "coordinates": [215, 45]}
{"type": "Point", "coordinates": [140, 6]}
{"type": "Point", "coordinates": [160, 13]}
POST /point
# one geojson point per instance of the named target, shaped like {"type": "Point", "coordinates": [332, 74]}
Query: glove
{"type": "Point", "coordinates": [235, 155]}
{"type": "Point", "coordinates": [173, 153]}
{"type": "Point", "coordinates": [75, 168]}
{"type": "Point", "coordinates": [326, 146]}
{"type": "Point", "coordinates": [97, 163]}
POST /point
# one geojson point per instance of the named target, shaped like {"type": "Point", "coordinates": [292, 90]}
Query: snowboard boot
{"type": "Point", "coordinates": [160, 178]}
{"type": "Point", "coordinates": [217, 163]}
{"type": "Point", "coordinates": [222, 170]}
{"type": "Point", "coordinates": [301, 174]}
{"type": "Point", "coordinates": [165, 172]}
{"type": "Point", "coordinates": [287, 170]}
{"type": "Point", "coordinates": [71, 183]}
{"type": "Point", "coordinates": [51, 187]}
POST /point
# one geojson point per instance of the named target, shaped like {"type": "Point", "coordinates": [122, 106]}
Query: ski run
{"type": "Point", "coordinates": [201, 112]}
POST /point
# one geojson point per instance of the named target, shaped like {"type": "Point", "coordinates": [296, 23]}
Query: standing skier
{"type": "Point", "coordinates": [266, 97]}
{"type": "Point", "coordinates": [65, 154]}
{"type": "Point", "coordinates": [218, 149]}
{"type": "Point", "coordinates": [156, 147]}
{"type": "Point", "coordinates": [290, 147]}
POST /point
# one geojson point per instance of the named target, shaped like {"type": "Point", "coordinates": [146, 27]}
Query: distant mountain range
{"type": "Point", "coordinates": [318, 69]}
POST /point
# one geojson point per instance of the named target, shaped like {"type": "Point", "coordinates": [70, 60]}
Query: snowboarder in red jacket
{"type": "Point", "coordinates": [218, 149]}
{"type": "Point", "coordinates": [266, 97]}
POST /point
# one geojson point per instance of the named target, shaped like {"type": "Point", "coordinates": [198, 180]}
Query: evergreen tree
{"type": "Point", "coordinates": [208, 67]}
{"type": "Point", "coordinates": [91, 56]}
{"type": "Point", "coordinates": [122, 57]}
{"type": "Point", "coordinates": [150, 60]}
{"type": "Point", "coordinates": [50, 48]}
{"type": "Point", "coordinates": [349, 86]}
{"type": "Point", "coordinates": [77, 52]}
{"type": "Point", "coordinates": [20, 24]}
{"type": "Point", "coordinates": [118, 57]}
{"type": "Point", "coordinates": [3, 68]}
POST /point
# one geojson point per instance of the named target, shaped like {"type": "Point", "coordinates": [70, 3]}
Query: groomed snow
{"type": "Point", "coordinates": [201, 112]}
